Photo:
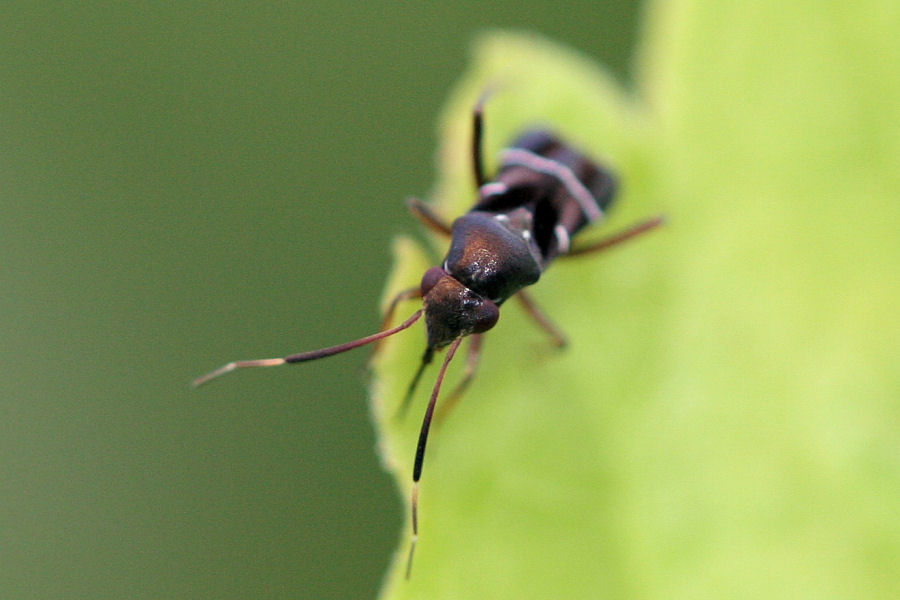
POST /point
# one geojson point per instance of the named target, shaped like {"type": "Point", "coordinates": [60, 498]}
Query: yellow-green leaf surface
{"type": "Point", "coordinates": [724, 422]}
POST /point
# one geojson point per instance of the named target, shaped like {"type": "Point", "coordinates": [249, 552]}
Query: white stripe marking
{"type": "Point", "coordinates": [525, 158]}
{"type": "Point", "coordinates": [492, 189]}
{"type": "Point", "coordinates": [562, 238]}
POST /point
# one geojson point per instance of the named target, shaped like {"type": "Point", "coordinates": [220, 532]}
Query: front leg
{"type": "Point", "coordinates": [557, 337]}
{"type": "Point", "coordinates": [428, 217]}
{"type": "Point", "coordinates": [403, 296]}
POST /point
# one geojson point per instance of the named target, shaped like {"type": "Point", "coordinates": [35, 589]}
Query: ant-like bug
{"type": "Point", "coordinates": [543, 194]}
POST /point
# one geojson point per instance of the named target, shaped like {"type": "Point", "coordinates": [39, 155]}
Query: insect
{"type": "Point", "coordinates": [543, 194]}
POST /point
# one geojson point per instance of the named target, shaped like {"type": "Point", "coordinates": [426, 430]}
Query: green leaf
{"type": "Point", "coordinates": [724, 421]}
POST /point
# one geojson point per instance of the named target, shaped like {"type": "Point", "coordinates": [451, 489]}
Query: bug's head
{"type": "Point", "coordinates": [453, 310]}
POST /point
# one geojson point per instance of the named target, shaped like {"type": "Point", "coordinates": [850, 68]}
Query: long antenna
{"type": "Point", "coordinates": [307, 356]}
{"type": "Point", "coordinates": [420, 450]}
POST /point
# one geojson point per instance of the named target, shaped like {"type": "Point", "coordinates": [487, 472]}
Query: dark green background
{"type": "Point", "coordinates": [185, 185]}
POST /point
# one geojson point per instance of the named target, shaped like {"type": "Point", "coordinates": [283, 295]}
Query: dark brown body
{"type": "Point", "coordinates": [543, 194]}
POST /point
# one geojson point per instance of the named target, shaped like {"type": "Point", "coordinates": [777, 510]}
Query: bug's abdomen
{"type": "Point", "coordinates": [598, 181]}
{"type": "Point", "coordinates": [562, 189]}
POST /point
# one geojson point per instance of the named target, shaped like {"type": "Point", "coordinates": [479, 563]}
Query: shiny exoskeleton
{"type": "Point", "coordinates": [543, 194]}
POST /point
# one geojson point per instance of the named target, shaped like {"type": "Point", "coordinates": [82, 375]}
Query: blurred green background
{"type": "Point", "coordinates": [183, 185]}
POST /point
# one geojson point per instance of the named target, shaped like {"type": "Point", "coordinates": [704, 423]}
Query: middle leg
{"type": "Point", "coordinates": [557, 337]}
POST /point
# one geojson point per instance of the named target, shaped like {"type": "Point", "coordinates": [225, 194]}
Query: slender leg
{"type": "Point", "coordinates": [477, 132]}
{"type": "Point", "coordinates": [473, 354]}
{"type": "Point", "coordinates": [422, 211]}
{"type": "Point", "coordinates": [617, 238]}
{"type": "Point", "coordinates": [409, 294]}
{"type": "Point", "coordinates": [532, 310]}
{"type": "Point", "coordinates": [432, 221]}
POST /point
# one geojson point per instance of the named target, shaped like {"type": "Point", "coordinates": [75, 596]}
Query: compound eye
{"type": "Point", "coordinates": [486, 316]}
{"type": "Point", "coordinates": [430, 279]}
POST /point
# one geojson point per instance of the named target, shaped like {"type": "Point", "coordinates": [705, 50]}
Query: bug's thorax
{"type": "Point", "coordinates": [492, 256]}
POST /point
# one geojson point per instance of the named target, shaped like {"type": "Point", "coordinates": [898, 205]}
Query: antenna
{"type": "Point", "coordinates": [307, 356]}
{"type": "Point", "coordinates": [420, 450]}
